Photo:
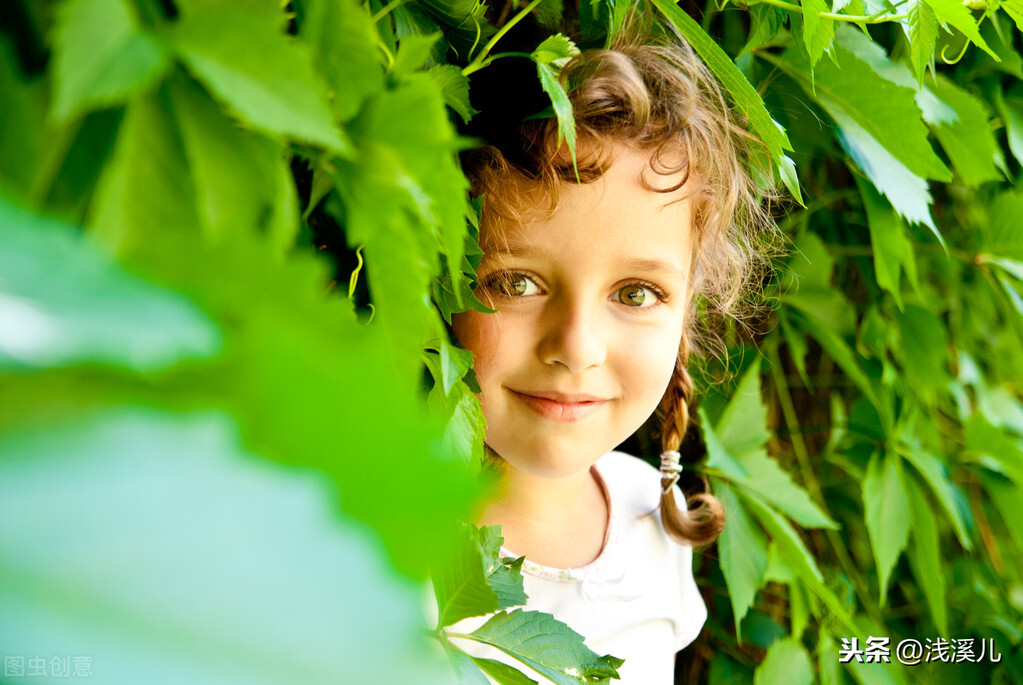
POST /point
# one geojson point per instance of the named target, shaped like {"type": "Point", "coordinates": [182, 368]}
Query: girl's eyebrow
{"type": "Point", "coordinates": [629, 263]}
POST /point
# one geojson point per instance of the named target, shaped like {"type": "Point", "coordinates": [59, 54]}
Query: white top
{"type": "Point", "coordinates": [637, 600]}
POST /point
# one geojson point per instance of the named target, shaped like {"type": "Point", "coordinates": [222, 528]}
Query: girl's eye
{"type": "Point", "coordinates": [513, 285]}
{"type": "Point", "coordinates": [638, 296]}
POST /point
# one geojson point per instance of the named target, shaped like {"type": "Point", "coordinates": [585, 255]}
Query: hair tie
{"type": "Point", "coordinates": [670, 468]}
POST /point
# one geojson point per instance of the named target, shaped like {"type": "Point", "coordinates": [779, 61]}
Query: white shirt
{"type": "Point", "coordinates": [637, 600]}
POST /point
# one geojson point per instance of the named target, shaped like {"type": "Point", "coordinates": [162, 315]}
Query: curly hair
{"type": "Point", "coordinates": [649, 90]}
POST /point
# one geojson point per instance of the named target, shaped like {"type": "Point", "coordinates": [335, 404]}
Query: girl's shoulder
{"type": "Point", "coordinates": [634, 484]}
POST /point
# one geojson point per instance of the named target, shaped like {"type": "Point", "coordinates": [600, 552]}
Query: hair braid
{"type": "Point", "coordinates": [704, 519]}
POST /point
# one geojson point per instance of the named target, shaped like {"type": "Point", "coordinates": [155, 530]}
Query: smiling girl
{"type": "Point", "coordinates": [595, 287]}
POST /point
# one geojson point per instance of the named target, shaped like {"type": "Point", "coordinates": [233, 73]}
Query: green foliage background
{"type": "Point", "coordinates": [227, 457]}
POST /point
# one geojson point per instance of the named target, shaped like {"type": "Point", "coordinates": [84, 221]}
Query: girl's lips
{"type": "Point", "coordinates": [561, 408]}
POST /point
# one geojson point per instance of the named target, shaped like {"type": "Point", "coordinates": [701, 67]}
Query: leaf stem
{"type": "Point", "coordinates": [387, 9]}
{"type": "Point", "coordinates": [854, 18]}
{"type": "Point", "coordinates": [477, 63]}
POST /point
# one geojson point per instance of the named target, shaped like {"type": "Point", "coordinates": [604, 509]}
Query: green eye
{"type": "Point", "coordinates": [632, 295]}
{"type": "Point", "coordinates": [513, 285]}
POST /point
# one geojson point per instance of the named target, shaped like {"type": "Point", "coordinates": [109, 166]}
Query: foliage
{"type": "Point", "coordinates": [225, 466]}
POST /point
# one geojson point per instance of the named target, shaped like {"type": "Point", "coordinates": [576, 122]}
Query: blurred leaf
{"type": "Point", "coordinates": [502, 672]}
{"type": "Point", "coordinates": [547, 646]}
{"type": "Point", "coordinates": [886, 510]}
{"type": "Point", "coordinates": [786, 663]}
{"type": "Point", "coordinates": [413, 52]}
{"type": "Point", "coordinates": [130, 574]}
{"type": "Point", "coordinates": [454, 86]}
{"type": "Point", "coordinates": [743, 550]}
{"type": "Point", "coordinates": [892, 250]}
{"type": "Point", "coordinates": [1002, 234]}
{"type": "Point", "coordinates": [936, 475]}
{"type": "Point", "coordinates": [924, 352]}
{"type": "Point", "coordinates": [927, 555]}
{"type": "Point", "coordinates": [241, 180]}
{"type": "Point", "coordinates": [102, 57]}
{"type": "Point", "coordinates": [956, 14]}
{"type": "Point", "coordinates": [267, 79]}
{"type": "Point", "coordinates": [1011, 109]}
{"type": "Point", "coordinates": [64, 302]}
{"type": "Point", "coordinates": [969, 142]}
{"type": "Point", "coordinates": [344, 42]}
{"type": "Point", "coordinates": [1014, 8]}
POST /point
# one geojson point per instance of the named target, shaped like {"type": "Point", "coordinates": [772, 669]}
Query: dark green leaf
{"type": "Point", "coordinates": [743, 550]}
{"type": "Point", "coordinates": [968, 141]}
{"type": "Point", "coordinates": [927, 555]}
{"type": "Point", "coordinates": [892, 250]}
{"type": "Point", "coordinates": [886, 510]}
{"type": "Point", "coordinates": [936, 475]}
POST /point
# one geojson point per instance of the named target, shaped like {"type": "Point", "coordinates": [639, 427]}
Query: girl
{"type": "Point", "coordinates": [595, 286]}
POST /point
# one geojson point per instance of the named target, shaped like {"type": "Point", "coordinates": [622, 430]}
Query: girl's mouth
{"type": "Point", "coordinates": [560, 407]}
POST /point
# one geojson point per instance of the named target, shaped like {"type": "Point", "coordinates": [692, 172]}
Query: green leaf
{"type": "Point", "coordinates": [194, 520]}
{"type": "Point", "coordinates": [467, 669]}
{"type": "Point", "coordinates": [786, 663]}
{"type": "Point", "coordinates": [561, 104]}
{"type": "Point", "coordinates": [742, 427]}
{"type": "Point", "coordinates": [146, 189]}
{"type": "Point", "coordinates": [924, 355]}
{"type": "Point", "coordinates": [344, 42]}
{"type": "Point", "coordinates": [922, 32]}
{"type": "Point", "coordinates": [818, 31]}
{"type": "Point", "coordinates": [1007, 497]}
{"type": "Point", "coordinates": [935, 473]}
{"type": "Point", "coordinates": [892, 250]}
{"type": "Point", "coordinates": [242, 182]}
{"type": "Point", "coordinates": [797, 556]}
{"type": "Point", "coordinates": [87, 308]}
{"type": "Point", "coordinates": [554, 49]}
{"type": "Point", "coordinates": [503, 673]}
{"type": "Point", "coordinates": [460, 584]}
{"type": "Point", "coordinates": [507, 583]}
{"type": "Point", "coordinates": [954, 13]}
{"type": "Point", "coordinates": [927, 555]}
{"type": "Point", "coordinates": [771, 482]}
{"type": "Point", "coordinates": [827, 665]}
{"type": "Point", "coordinates": [1011, 109]}
{"type": "Point", "coordinates": [413, 52]}
{"type": "Point", "coordinates": [766, 21]}
{"type": "Point", "coordinates": [1002, 234]}
{"type": "Point", "coordinates": [454, 86]}
{"type": "Point", "coordinates": [1014, 8]}
{"type": "Point", "coordinates": [743, 550]}
{"type": "Point", "coordinates": [267, 79]}
{"type": "Point", "coordinates": [886, 510]}
{"type": "Point", "coordinates": [870, 108]}
{"type": "Point", "coordinates": [102, 57]}
{"type": "Point", "coordinates": [718, 456]}
{"type": "Point", "coordinates": [548, 646]}
{"type": "Point", "coordinates": [969, 141]}
{"type": "Point", "coordinates": [746, 98]}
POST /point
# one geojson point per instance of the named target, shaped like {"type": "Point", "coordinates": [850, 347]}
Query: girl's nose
{"type": "Point", "coordinates": [573, 336]}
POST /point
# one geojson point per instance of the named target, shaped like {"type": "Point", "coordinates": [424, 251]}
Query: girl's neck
{"type": "Point", "coordinates": [554, 522]}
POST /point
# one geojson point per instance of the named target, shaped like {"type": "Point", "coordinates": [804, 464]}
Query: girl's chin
{"type": "Point", "coordinates": [551, 463]}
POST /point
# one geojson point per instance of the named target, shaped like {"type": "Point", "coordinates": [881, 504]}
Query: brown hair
{"type": "Point", "coordinates": [650, 91]}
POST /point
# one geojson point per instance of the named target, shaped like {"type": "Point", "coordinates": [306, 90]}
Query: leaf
{"type": "Point", "coordinates": [413, 52]}
{"type": "Point", "coordinates": [742, 427]}
{"type": "Point", "coordinates": [460, 584]}
{"type": "Point", "coordinates": [502, 672]}
{"type": "Point", "coordinates": [772, 483]}
{"type": "Point", "coordinates": [818, 31]}
{"type": "Point", "coordinates": [796, 555]}
{"type": "Point", "coordinates": [745, 96]}
{"type": "Point", "coordinates": [969, 142]}
{"type": "Point", "coordinates": [1002, 234]}
{"type": "Point", "coordinates": [892, 250]}
{"type": "Point", "coordinates": [1014, 8]}
{"type": "Point", "coordinates": [146, 189]}
{"type": "Point", "coordinates": [1011, 109]}
{"type": "Point", "coordinates": [786, 663]}
{"type": "Point", "coordinates": [922, 31]}
{"type": "Point", "coordinates": [718, 456]}
{"type": "Point", "coordinates": [884, 111]}
{"type": "Point", "coordinates": [102, 57]}
{"type": "Point", "coordinates": [767, 21]}
{"type": "Point", "coordinates": [954, 13]}
{"type": "Point", "coordinates": [194, 520]}
{"type": "Point", "coordinates": [467, 669]}
{"type": "Point", "coordinates": [344, 42]}
{"type": "Point", "coordinates": [936, 475]}
{"type": "Point", "coordinates": [247, 62]}
{"type": "Point", "coordinates": [743, 550]}
{"type": "Point", "coordinates": [454, 86]}
{"type": "Point", "coordinates": [554, 49]}
{"type": "Point", "coordinates": [507, 583]}
{"type": "Point", "coordinates": [927, 555]}
{"type": "Point", "coordinates": [548, 646]}
{"type": "Point", "coordinates": [886, 510]}
{"type": "Point", "coordinates": [548, 56]}
{"type": "Point", "coordinates": [924, 355]}
{"type": "Point", "coordinates": [241, 180]}
{"type": "Point", "coordinates": [87, 308]}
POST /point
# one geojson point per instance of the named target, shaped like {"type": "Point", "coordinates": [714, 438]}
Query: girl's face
{"type": "Point", "coordinates": [591, 307]}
